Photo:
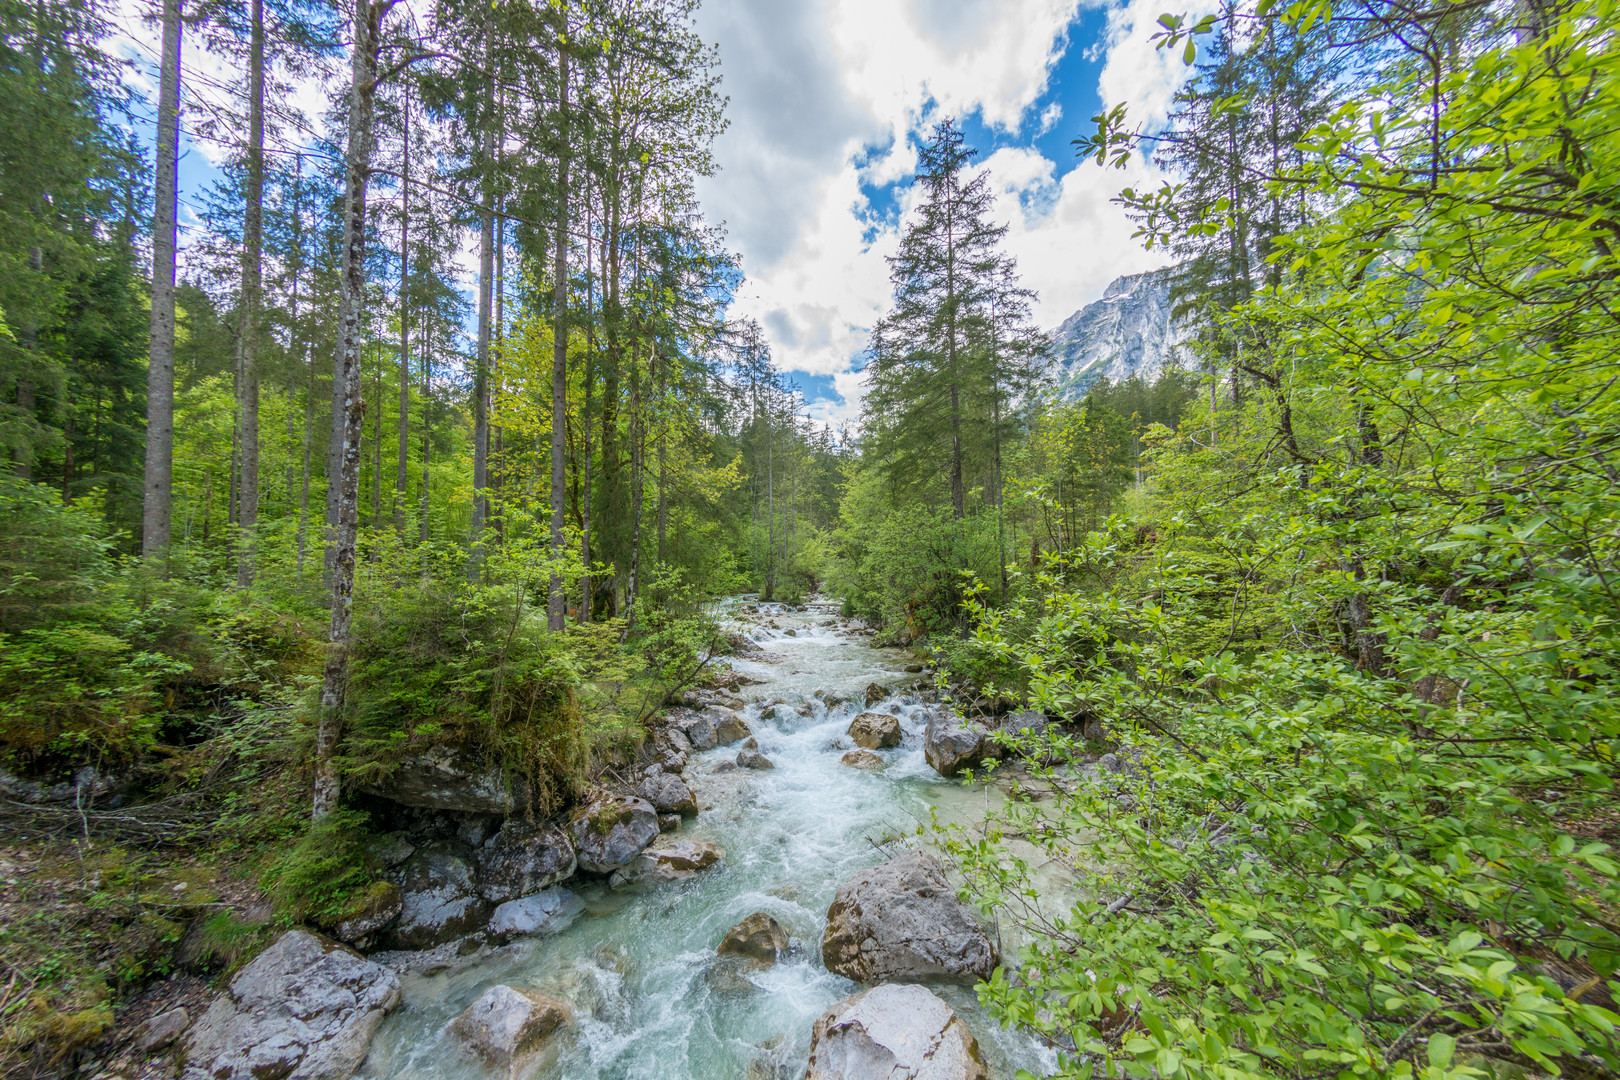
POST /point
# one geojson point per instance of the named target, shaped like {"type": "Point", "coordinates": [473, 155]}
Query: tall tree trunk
{"type": "Point", "coordinates": [402, 473]}
{"type": "Point", "coordinates": [158, 485]}
{"type": "Point", "coordinates": [252, 276]}
{"type": "Point", "coordinates": [663, 453]}
{"type": "Point", "coordinates": [613, 312]}
{"type": "Point", "coordinates": [28, 338]}
{"type": "Point", "coordinates": [426, 525]}
{"type": "Point", "coordinates": [770, 504]}
{"type": "Point", "coordinates": [632, 588]}
{"type": "Point", "coordinates": [486, 296]}
{"type": "Point", "coordinates": [497, 431]}
{"type": "Point", "coordinates": [376, 452]}
{"type": "Point", "coordinates": [557, 602]}
{"type": "Point", "coordinates": [308, 358]}
{"type": "Point", "coordinates": [347, 421]}
{"type": "Point", "coordinates": [585, 424]}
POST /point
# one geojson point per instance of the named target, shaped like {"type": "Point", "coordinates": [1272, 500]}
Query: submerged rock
{"type": "Point", "coordinates": [901, 922]}
{"type": "Point", "coordinates": [506, 1026]}
{"type": "Point", "coordinates": [548, 912]}
{"type": "Point", "coordinates": [304, 1009]}
{"type": "Point", "coordinates": [894, 1031]}
{"type": "Point", "coordinates": [729, 976]}
{"type": "Point", "coordinates": [668, 822]}
{"type": "Point", "coordinates": [445, 778]}
{"type": "Point", "coordinates": [440, 900]}
{"type": "Point", "coordinates": [611, 831]}
{"type": "Point", "coordinates": [863, 759]}
{"type": "Point", "coordinates": [875, 731]}
{"type": "Point", "coordinates": [671, 858]}
{"type": "Point", "coordinates": [759, 938]}
{"type": "Point", "coordinates": [951, 744]}
{"type": "Point", "coordinates": [772, 1060]}
{"type": "Point", "coordinates": [523, 858]}
{"type": "Point", "coordinates": [668, 794]}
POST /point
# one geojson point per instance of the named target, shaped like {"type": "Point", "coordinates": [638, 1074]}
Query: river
{"type": "Point", "coordinates": [634, 965]}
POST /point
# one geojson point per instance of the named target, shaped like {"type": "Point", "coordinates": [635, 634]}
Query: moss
{"type": "Point", "coordinates": [374, 899]}
{"type": "Point", "coordinates": [318, 878]}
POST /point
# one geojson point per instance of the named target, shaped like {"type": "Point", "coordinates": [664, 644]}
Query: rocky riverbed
{"type": "Point", "coordinates": [723, 913]}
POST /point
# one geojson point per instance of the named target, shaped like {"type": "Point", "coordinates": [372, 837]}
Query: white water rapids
{"type": "Point", "coordinates": [633, 967]}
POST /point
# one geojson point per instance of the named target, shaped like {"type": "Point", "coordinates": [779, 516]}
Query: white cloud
{"type": "Point", "coordinates": [832, 94]}
{"type": "Point", "coordinates": [1135, 70]}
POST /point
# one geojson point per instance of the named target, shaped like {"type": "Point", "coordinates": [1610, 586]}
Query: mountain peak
{"type": "Point", "coordinates": [1127, 333]}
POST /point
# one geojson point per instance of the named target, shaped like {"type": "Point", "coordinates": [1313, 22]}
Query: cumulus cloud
{"type": "Point", "coordinates": [828, 101]}
{"type": "Point", "coordinates": [1135, 70]}
{"type": "Point", "coordinates": [827, 98]}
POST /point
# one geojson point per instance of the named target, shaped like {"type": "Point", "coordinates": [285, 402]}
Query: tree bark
{"type": "Point", "coordinates": [486, 296]}
{"type": "Point", "coordinates": [308, 357]}
{"type": "Point", "coordinates": [346, 423]}
{"type": "Point", "coordinates": [557, 601]}
{"type": "Point", "coordinates": [585, 425]}
{"type": "Point", "coordinates": [252, 276]}
{"type": "Point", "coordinates": [663, 453]}
{"type": "Point", "coordinates": [159, 480]}
{"type": "Point", "coordinates": [402, 474]}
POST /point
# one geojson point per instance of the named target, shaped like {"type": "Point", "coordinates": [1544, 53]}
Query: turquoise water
{"type": "Point", "coordinates": [634, 966]}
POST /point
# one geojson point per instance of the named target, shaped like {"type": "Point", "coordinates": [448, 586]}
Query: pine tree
{"type": "Point", "coordinates": [958, 336]}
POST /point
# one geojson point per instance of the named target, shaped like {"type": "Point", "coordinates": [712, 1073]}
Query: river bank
{"type": "Point", "coordinates": [637, 964]}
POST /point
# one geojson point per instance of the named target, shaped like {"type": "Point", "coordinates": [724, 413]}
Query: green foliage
{"type": "Point", "coordinates": [1359, 640]}
{"type": "Point", "coordinates": [321, 877]}
{"type": "Point", "coordinates": [443, 659]}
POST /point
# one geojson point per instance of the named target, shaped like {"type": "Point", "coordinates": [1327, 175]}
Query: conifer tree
{"type": "Point", "coordinates": [958, 334]}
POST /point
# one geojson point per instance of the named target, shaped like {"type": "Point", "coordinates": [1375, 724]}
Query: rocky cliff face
{"type": "Point", "coordinates": [1127, 333]}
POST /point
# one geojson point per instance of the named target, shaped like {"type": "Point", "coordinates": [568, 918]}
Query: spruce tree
{"type": "Point", "coordinates": [958, 335]}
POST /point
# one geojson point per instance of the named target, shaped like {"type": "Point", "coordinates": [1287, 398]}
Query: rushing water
{"type": "Point", "coordinates": [634, 966]}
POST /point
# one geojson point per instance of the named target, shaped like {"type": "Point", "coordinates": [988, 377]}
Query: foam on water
{"type": "Point", "coordinates": [634, 967]}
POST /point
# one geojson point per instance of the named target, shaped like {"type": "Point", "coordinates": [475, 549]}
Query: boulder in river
{"type": "Point", "coordinates": [446, 778]}
{"type": "Point", "coordinates": [548, 912]}
{"type": "Point", "coordinates": [753, 759]}
{"type": "Point", "coordinates": [507, 1026]}
{"type": "Point", "coordinates": [875, 731]}
{"type": "Point", "coordinates": [894, 1031]}
{"type": "Point", "coordinates": [611, 831]}
{"type": "Point", "coordinates": [758, 937]}
{"type": "Point", "coordinates": [523, 858]}
{"type": "Point", "coordinates": [874, 694]}
{"type": "Point", "coordinates": [728, 727]}
{"type": "Point", "coordinates": [863, 759]}
{"type": "Point", "coordinates": [440, 901]}
{"type": "Point", "coordinates": [900, 921]}
{"type": "Point", "coordinates": [696, 726]}
{"type": "Point", "coordinates": [670, 858]}
{"type": "Point", "coordinates": [951, 744]}
{"type": "Point", "coordinates": [305, 1009]}
{"type": "Point", "coordinates": [668, 795]}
